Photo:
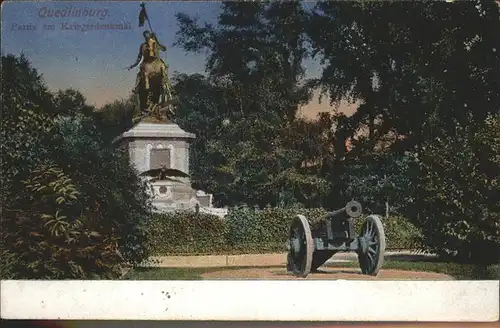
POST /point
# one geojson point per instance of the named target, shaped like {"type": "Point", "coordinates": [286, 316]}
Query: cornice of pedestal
{"type": "Point", "coordinates": [155, 130]}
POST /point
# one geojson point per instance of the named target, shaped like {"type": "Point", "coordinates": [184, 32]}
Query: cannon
{"type": "Point", "coordinates": [309, 248]}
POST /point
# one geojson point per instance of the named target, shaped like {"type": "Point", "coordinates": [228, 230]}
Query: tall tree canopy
{"type": "Point", "coordinates": [254, 88]}
{"type": "Point", "coordinates": [257, 51]}
{"type": "Point", "coordinates": [409, 64]}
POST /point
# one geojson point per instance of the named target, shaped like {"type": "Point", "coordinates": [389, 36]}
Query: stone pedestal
{"type": "Point", "coordinates": [152, 145]}
{"type": "Point", "coordinates": [149, 145]}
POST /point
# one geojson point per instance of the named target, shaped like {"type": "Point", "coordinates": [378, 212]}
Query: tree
{"type": "Point", "coordinates": [200, 108]}
{"type": "Point", "coordinates": [25, 126]}
{"type": "Point", "coordinates": [115, 118]}
{"type": "Point", "coordinates": [256, 52]}
{"type": "Point", "coordinates": [256, 163]}
{"type": "Point", "coordinates": [22, 84]}
{"type": "Point", "coordinates": [407, 62]}
{"type": "Point", "coordinates": [253, 159]}
{"type": "Point", "coordinates": [382, 183]}
{"type": "Point", "coordinates": [25, 133]}
{"type": "Point", "coordinates": [255, 69]}
{"type": "Point", "coordinates": [71, 102]}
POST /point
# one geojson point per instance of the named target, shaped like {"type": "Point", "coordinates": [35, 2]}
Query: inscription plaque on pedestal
{"type": "Point", "coordinates": [159, 158]}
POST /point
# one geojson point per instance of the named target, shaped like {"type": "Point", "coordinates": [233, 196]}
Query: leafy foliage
{"type": "Point", "coordinates": [115, 118]}
{"type": "Point", "coordinates": [70, 102]}
{"type": "Point", "coordinates": [200, 107]}
{"type": "Point", "coordinates": [228, 158]}
{"type": "Point", "coordinates": [375, 180]}
{"type": "Point", "coordinates": [24, 126]}
{"type": "Point", "coordinates": [72, 208]}
{"type": "Point", "coordinates": [407, 61]}
{"type": "Point", "coordinates": [423, 75]}
{"type": "Point", "coordinates": [254, 165]}
{"type": "Point", "coordinates": [109, 184]}
{"type": "Point", "coordinates": [263, 230]}
{"type": "Point", "coordinates": [256, 51]}
{"type": "Point", "coordinates": [248, 103]}
{"type": "Point", "coordinates": [56, 239]}
{"type": "Point", "coordinates": [458, 192]}
{"type": "Point", "coordinates": [23, 133]}
{"type": "Point", "coordinates": [187, 233]}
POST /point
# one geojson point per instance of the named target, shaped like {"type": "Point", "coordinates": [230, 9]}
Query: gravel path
{"type": "Point", "coordinates": [253, 260]}
{"type": "Point", "coordinates": [323, 274]}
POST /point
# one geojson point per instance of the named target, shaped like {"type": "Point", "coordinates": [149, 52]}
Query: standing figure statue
{"type": "Point", "coordinates": [152, 86]}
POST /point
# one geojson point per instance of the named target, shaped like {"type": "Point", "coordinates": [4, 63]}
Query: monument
{"type": "Point", "coordinates": [157, 147]}
{"type": "Point", "coordinates": [153, 147]}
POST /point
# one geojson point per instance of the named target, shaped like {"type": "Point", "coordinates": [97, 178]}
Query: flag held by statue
{"type": "Point", "coordinates": [142, 15]}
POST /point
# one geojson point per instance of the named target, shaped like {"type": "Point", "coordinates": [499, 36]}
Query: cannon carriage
{"type": "Point", "coordinates": [313, 242]}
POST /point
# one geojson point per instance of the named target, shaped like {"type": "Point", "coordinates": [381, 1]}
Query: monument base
{"type": "Point", "coordinates": [153, 145]}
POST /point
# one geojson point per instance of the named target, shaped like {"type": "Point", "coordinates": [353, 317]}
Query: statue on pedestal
{"type": "Point", "coordinates": [152, 87]}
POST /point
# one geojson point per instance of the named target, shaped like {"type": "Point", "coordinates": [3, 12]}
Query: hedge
{"type": "Point", "coordinates": [187, 233]}
{"type": "Point", "coordinates": [246, 230]}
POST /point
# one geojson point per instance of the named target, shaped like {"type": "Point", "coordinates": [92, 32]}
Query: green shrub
{"type": "Point", "coordinates": [110, 186]}
{"type": "Point", "coordinates": [55, 237]}
{"type": "Point", "coordinates": [187, 233]}
{"type": "Point", "coordinates": [82, 212]}
{"type": "Point", "coordinates": [458, 193]}
{"type": "Point", "coordinates": [72, 206]}
{"type": "Point", "coordinates": [243, 226]}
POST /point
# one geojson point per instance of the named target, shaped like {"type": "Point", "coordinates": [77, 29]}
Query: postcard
{"type": "Point", "coordinates": [250, 161]}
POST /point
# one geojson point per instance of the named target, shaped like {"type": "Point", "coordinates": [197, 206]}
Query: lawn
{"type": "Point", "coordinates": [458, 271]}
{"type": "Point", "coordinates": [175, 273]}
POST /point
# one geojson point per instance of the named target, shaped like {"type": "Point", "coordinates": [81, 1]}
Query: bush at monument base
{"type": "Point", "coordinates": [246, 230]}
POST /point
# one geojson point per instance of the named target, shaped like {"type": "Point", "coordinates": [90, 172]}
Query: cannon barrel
{"type": "Point", "coordinates": [352, 209]}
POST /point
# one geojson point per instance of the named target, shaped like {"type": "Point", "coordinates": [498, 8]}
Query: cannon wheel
{"type": "Point", "coordinates": [300, 260]}
{"type": "Point", "coordinates": [373, 232]}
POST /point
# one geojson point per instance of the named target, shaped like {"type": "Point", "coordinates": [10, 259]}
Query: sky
{"type": "Point", "coordinates": [94, 61]}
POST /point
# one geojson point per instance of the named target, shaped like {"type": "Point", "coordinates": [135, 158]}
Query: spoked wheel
{"type": "Point", "coordinates": [301, 247]}
{"type": "Point", "coordinates": [372, 246]}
